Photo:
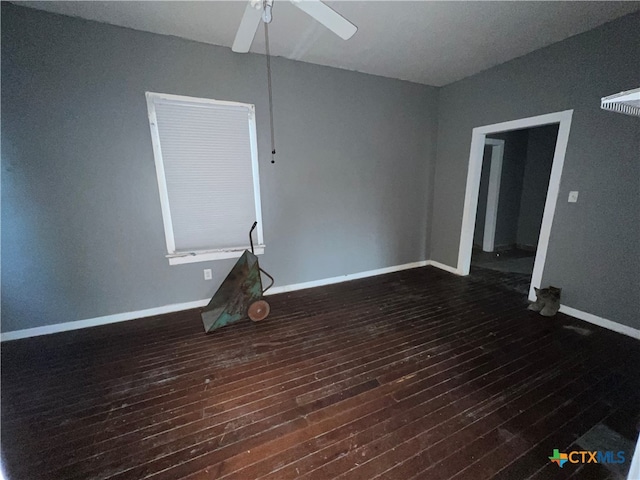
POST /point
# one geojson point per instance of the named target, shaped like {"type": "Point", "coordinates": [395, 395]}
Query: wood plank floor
{"type": "Point", "coordinates": [415, 374]}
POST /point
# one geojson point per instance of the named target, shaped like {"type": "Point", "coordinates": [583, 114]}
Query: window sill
{"type": "Point", "coordinates": [208, 255]}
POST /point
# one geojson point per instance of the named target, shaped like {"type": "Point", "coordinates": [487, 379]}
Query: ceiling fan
{"type": "Point", "coordinates": [257, 10]}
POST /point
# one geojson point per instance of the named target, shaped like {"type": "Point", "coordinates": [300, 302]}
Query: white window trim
{"type": "Point", "coordinates": [177, 258]}
{"type": "Point", "coordinates": [206, 255]}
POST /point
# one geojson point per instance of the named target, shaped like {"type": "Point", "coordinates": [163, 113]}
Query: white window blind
{"type": "Point", "coordinates": [206, 161]}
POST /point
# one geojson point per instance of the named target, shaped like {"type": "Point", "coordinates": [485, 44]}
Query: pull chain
{"type": "Point", "coordinates": [273, 141]}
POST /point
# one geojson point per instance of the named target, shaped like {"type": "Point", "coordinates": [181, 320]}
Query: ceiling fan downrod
{"type": "Point", "coordinates": [267, 5]}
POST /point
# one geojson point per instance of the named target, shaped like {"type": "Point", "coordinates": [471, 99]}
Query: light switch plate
{"type": "Point", "coordinates": [573, 197]}
{"type": "Point", "coordinates": [207, 274]}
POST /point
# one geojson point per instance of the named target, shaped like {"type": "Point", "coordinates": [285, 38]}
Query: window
{"type": "Point", "coordinates": [206, 160]}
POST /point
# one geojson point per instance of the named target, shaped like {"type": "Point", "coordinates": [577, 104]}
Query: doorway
{"type": "Point", "coordinates": [489, 238]}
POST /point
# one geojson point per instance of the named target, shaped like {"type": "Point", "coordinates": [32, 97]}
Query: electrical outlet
{"type": "Point", "coordinates": [573, 197]}
{"type": "Point", "coordinates": [207, 274]}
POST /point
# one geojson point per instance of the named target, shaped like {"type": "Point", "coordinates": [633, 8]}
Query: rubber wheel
{"type": "Point", "coordinates": [259, 310]}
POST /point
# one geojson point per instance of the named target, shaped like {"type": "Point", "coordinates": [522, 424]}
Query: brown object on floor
{"type": "Point", "coordinates": [419, 373]}
{"type": "Point", "coordinates": [259, 310]}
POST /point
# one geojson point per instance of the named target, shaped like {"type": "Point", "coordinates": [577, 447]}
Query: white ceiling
{"type": "Point", "coordinates": [433, 43]}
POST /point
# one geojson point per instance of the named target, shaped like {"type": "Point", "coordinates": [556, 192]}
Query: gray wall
{"type": "Point", "coordinates": [82, 232]}
{"type": "Point", "coordinates": [541, 144]}
{"type": "Point", "coordinates": [594, 253]}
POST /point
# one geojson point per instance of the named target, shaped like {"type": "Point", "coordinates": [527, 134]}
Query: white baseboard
{"type": "Point", "coordinates": [601, 322]}
{"type": "Point", "coordinates": [176, 307]}
{"type": "Point", "coordinates": [94, 322]}
{"type": "Point", "coordinates": [444, 267]}
{"type": "Point", "coordinates": [346, 278]}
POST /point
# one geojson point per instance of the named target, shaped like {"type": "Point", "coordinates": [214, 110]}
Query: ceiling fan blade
{"type": "Point", "coordinates": [328, 17]}
{"type": "Point", "coordinates": [247, 29]}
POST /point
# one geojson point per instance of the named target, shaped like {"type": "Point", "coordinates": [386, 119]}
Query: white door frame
{"type": "Point", "coordinates": [478, 139]}
{"type": "Point", "coordinates": [493, 193]}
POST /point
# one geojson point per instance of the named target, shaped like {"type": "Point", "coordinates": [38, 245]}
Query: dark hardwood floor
{"type": "Point", "coordinates": [417, 374]}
